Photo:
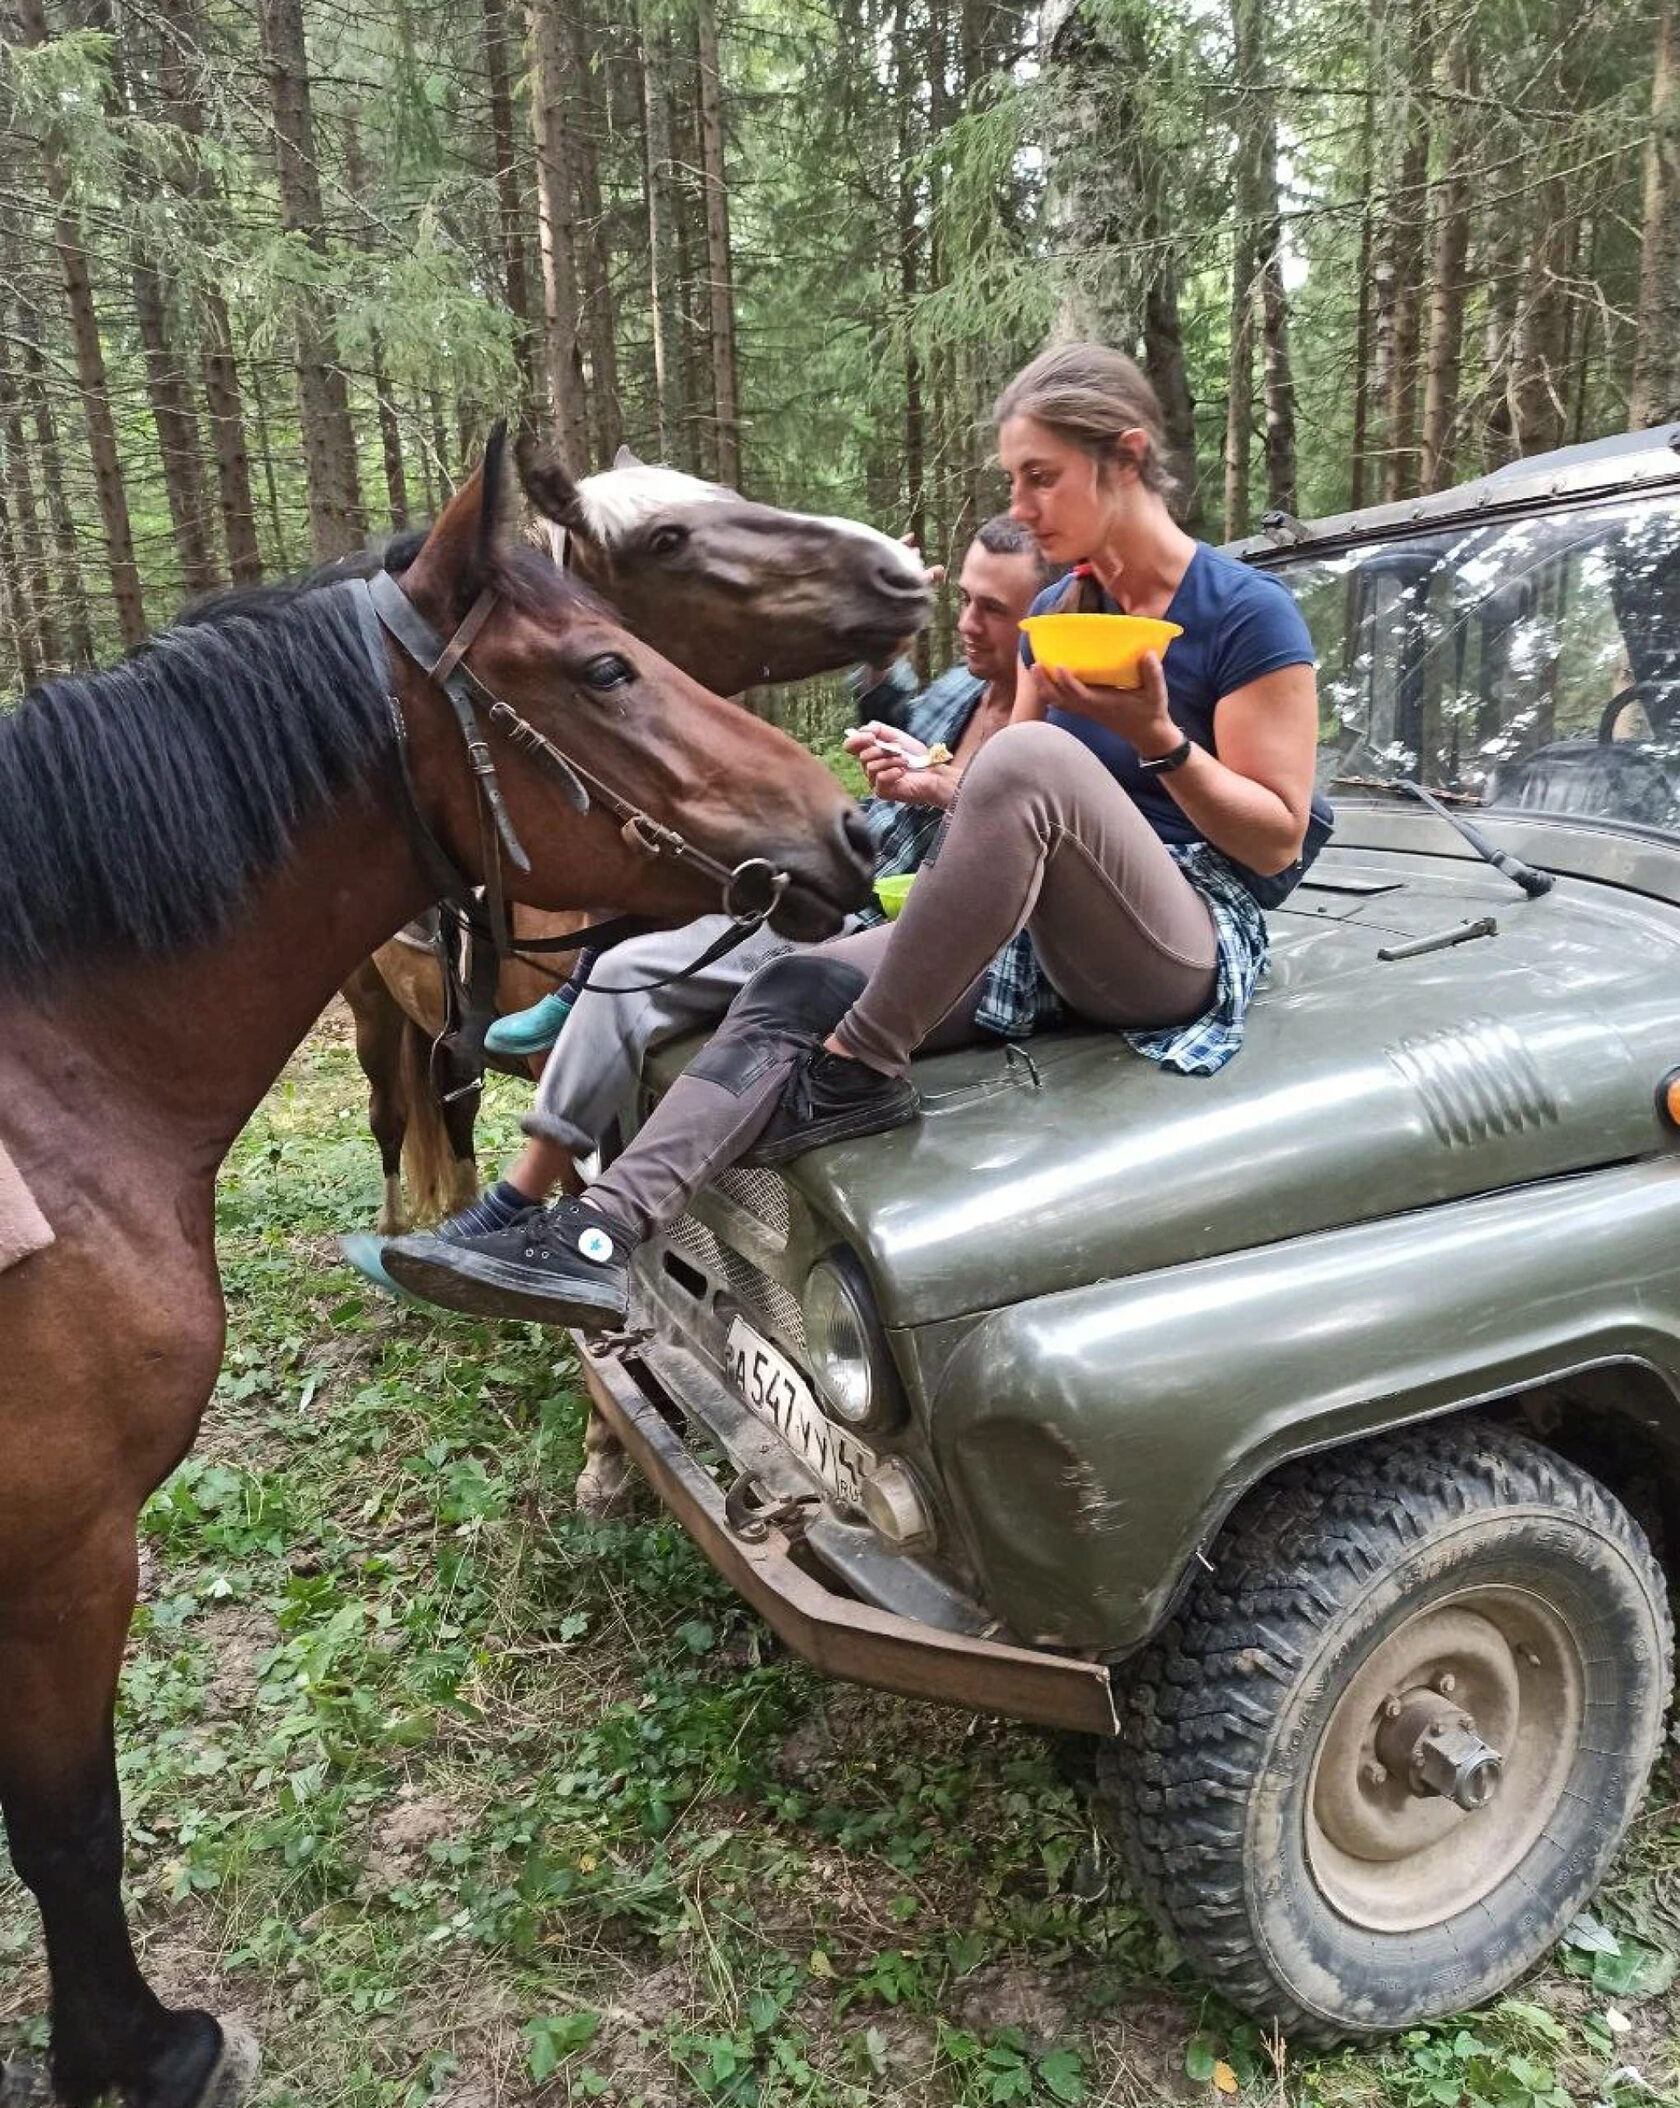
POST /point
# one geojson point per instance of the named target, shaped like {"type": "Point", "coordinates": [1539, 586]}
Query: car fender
{"type": "Point", "coordinates": [1090, 1443]}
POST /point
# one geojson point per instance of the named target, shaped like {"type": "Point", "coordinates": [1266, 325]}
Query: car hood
{"type": "Point", "coordinates": [1366, 1087]}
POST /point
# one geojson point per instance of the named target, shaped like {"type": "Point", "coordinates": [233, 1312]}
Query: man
{"type": "Point", "coordinates": [591, 1075]}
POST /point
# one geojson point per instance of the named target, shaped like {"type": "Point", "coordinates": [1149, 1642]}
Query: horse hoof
{"type": "Point", "coordinates": [232, 2073]}
{"type": "Point", "coordinates": [24, 2084]}
{"type": "Point", "coordinates": [601, 1495]}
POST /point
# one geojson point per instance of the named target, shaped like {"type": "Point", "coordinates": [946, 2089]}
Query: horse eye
{"type": "Point", "coordinates": [664, 540]}
{"type": "Point", "coordinates": [608, 671]}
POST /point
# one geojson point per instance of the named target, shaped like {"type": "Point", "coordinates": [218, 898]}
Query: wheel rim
{"type": "Point", "coordinates": [1482, 1692]}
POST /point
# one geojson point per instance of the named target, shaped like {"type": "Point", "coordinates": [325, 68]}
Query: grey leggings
{"type": "Point", "coordinates": [1041, 837]}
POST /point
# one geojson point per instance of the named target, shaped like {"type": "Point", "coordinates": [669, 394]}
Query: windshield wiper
{"type": "Point", "coordinates": [1532, 882]}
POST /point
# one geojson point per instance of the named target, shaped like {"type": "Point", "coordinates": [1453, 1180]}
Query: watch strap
{"type": "Point", "coordinates": [1164, 764]}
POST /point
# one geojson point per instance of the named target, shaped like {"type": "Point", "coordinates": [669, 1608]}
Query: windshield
{"type": "Point", "coordinates": [1529, 663]}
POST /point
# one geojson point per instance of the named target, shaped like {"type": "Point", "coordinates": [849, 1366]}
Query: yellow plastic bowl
{"type": "Point", "coordinates": [1101, 649]}
{"type": "Point", "coordinates": [892, 893]}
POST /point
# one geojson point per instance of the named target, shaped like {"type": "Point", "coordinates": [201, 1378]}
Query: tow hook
{"type": "Point", "coordinates": [752, 1512]}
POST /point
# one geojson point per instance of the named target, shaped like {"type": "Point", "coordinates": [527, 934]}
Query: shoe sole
{"type": "Point", "coordinates": [840, 1127]}
{"type": "Point", "coordinates": [480, 1287]}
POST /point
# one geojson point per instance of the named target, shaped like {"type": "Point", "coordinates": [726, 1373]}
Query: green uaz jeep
{"type": "Point", "coordinates": [1311, 1432]}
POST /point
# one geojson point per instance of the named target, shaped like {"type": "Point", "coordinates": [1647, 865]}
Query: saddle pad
{"type": "Point", "coordinates": [23, 1228]}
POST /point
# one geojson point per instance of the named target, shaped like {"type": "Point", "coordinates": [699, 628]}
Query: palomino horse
{"type": "Point", "coordinates": [734, 593]}
{"type": "Point", "coordinates": [195, 849]}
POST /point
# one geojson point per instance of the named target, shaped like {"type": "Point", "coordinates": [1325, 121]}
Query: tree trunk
{"type": "Point", "coordinates": [276, 517]}
{"type": "Point", "coordinates": [222, 400]}
{"type": "Point", "coordinates": [90, 371]}
{"type": "Point", "coordinates": [694, 342]}
{"type": "Point", "coordinates": [909, 278]}
{"type": "Point", "coordinates": [390, 437]}
{"type": "Point", "coordinates": [563, 359]}
{"type": "Point", "coordinates": [719, 264]}
{"type": "Point", "coordinates": [510, 222]}
{"type": "Point", "coordinates": [66, 552]}
{"type": "Point", "coordinates": [1360, 445]}
{"type": "Point", "coordinates": [174, 412]}
{"type": "Point", "coordinates": [1444, 356]}
{"type": "Point", "coordinates": [1164, 362]}
{"type": "Point", "coordinates": [1541, 349]}
{"type": "Point", "coordinates": [34, 596]}
{"type": "Point", "coordinates": [337, 523]}
{"type": "Point", "coordinates": [606, 411]}
{"type": "Point", "coordinates": [176, 418]}
{"type": "Point", "coordinates": [14, 609]}
{"type": "Point", "coordinates": [1405, 258]}
{"type": "Point", "coordinates": [1279, 379]}
{"type": "Point", "coordinates": [1656, 358]}
{"type": "Point", "coordinates": [663, 282]}
{"type": "Point", "coordinates": [1239, 397]}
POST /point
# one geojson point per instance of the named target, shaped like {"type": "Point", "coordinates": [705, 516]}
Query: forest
{"type": "Point", "coordinates": [268, 271]}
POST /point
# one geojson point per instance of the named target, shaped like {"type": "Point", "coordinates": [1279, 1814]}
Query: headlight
{"type": "Point", "coordinates": [845, 1347]}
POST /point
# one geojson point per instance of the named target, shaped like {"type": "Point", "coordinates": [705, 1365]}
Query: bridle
{"type": "Point", "coordinates": [750, 889]}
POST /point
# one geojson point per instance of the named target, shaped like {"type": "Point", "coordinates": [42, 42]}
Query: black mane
{"type": "Point", "coordinates": [138, 806]}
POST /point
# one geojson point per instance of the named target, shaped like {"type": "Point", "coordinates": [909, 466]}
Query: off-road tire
{"type": "Point", "coordinates": [1223, 1717]}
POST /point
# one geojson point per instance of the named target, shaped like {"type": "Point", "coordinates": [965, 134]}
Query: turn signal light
{"type": "Point", "coordinates": [1668, 1099]}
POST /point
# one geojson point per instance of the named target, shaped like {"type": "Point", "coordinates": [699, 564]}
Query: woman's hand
{"type": "Point", "coordinates": [1139, 714]}
{"type": "Point", "coordinates": [885, 755]}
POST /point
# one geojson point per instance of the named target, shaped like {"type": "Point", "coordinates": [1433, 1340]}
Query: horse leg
{"type": "Point", "coordinates": [59, 1660]}
{"type": "Point", "coordinates": [380, 1028]}
{"type": "Point", "coordinates": [604, 1485]}
{"type": "Point", "coordinates": [461, 1092]}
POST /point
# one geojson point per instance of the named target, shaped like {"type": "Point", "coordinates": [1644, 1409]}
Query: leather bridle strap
{"type": "Point", "coordinates": [750, 889]}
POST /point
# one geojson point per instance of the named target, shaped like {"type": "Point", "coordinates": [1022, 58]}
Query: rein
{"type": "Point", "coordinates": [750, 889]}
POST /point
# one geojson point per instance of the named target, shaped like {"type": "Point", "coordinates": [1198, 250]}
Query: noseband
{"type": "Point", "coordinates": [750, 890]}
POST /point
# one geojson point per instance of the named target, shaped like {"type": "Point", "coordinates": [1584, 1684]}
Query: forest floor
{"type": "Point", "coordinates": [459, 1799]}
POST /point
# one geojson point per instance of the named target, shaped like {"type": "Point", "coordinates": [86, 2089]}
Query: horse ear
{"type": "Point", "coordinates": [550, 489]}
{"type": "Point", "coordinates": [457, 557]}
{"type": "Point", "coordinates": [625, 459]}
{"type": "Point", "coordinates": [492, 503]}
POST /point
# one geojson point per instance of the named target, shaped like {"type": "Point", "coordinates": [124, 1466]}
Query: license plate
{"type": "Point", "coordinates": [773, 1388]}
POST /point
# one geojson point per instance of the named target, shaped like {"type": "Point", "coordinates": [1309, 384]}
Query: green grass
{"type": "Point", "coordinates": [458, 1799]}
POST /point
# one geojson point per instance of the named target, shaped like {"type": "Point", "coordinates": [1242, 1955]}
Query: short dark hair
{"type": "Point", "coordinates": [1002, 536]}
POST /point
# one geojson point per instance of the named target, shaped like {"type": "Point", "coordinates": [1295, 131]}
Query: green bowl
{"type": "Point", "coordinates": [892, 893]}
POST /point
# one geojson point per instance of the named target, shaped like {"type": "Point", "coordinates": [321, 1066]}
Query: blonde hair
{"type": "Point", "coordinates": [1088, 396]}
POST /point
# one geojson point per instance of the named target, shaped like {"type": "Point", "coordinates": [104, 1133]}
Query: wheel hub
{"type": "Point", "coordinates": [1435, 1748]}
{"type": "Point", "coordinates": [1468, 1714]}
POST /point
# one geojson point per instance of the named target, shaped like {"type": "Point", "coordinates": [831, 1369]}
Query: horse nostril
{"type": "Point", "coordinates": [893, 578]}
{"type": "Point", "coordinates": [858, 838]}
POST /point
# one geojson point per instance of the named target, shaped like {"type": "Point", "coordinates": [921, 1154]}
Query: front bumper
{"type": "Point", "coordinates": [836, 1633]}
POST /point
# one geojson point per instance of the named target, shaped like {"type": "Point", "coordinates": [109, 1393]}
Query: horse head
{"type": "Point", "coordinates": [744, 593]}
{"type": "Point", "coordinates": [633, 726]}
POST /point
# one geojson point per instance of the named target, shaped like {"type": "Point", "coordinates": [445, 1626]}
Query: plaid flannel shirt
{"type": "Point", "coordinates": [1016, 999]}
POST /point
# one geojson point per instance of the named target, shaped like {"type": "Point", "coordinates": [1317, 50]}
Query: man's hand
{"type": "Point", "coordinates": [1139, 714]}
{"type": "Point", "coordinates": [887, 757]}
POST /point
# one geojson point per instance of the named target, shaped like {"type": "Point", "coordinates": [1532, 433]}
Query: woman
{"type": "Point", "coordinates": [1107, 856]}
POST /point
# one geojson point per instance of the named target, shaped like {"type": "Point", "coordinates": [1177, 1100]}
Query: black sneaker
{"type": "Point", "coordinates": [563, 1265]}
{"type": "Point", "coordinates": [830, 1098]}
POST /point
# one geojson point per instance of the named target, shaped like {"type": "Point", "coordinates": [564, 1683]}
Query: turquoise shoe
{"type": "Point", "coordinates": [532, 1031]}
{"type": "Point", "coordinates": [366, 1253]}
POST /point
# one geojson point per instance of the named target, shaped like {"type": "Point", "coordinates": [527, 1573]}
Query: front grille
{"type": "Point", "coordinates": [761, 1194]}
{"type": "Point", "coordinates": [766, 1304]}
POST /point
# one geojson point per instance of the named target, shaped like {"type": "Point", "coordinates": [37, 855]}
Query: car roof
{"type": "Point", "coordinates": [1596, 468]}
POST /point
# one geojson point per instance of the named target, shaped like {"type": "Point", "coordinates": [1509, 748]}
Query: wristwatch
{"type": "Point", "coordinates": [1164, 764]}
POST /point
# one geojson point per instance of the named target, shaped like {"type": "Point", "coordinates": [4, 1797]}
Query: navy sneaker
{"type": "Point", "coordinates": [830, 1098]}
{"type": "Point", "coordinates": [562, 1265]}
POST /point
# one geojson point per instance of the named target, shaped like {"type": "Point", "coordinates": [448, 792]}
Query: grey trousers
{"type": "Point", "coordinates": [1041, 837]}
{"type": "Point", "coordinates": [590, 1078]}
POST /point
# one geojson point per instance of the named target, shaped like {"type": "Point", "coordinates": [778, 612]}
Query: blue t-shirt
{"type": "Point", "coordinates": [1238, 625]}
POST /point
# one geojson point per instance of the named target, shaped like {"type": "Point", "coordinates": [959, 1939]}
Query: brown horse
{"type": "Point", "coordinates": [278, 784]}
{"type": "Point", "coordinates": [735, 594]}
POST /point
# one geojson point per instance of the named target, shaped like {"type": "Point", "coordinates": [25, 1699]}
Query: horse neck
{"type": "Point", "coordinates": [189, 1045]}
